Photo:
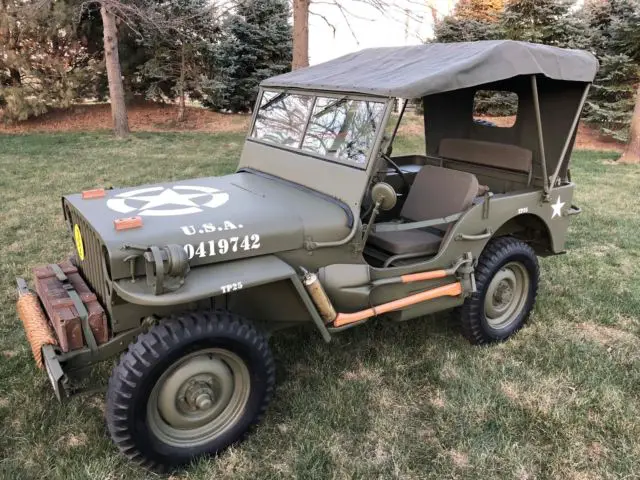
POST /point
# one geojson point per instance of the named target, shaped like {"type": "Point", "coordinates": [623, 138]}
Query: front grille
{"type": "Point", "coordinates": [91, 267]}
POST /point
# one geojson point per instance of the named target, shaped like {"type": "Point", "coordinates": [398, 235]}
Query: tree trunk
{"type": "Point", "coordinates": [632, 152]}
{"type": "Point", "coordinates": [16, 78]}
{"type": "Point", "coordinates": [114, 74]}
{"type": "Point", "coordinates": [181, 100]}
{"type": "Point", "coordinates": [300, 34]}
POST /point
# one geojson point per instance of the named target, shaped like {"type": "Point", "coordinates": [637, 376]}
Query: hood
{"type": "Point", "coordinates": [215, 219]}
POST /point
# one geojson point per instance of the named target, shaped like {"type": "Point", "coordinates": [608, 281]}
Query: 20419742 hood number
{"type": "Point", "coordinates": [223, 246]}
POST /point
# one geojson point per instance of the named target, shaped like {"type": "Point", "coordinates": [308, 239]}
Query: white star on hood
{"type": "Point", "coordinates": [169, 197]}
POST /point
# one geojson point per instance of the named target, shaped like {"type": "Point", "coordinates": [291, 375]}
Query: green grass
{"type": "Point", "coordinates": [410, 400]}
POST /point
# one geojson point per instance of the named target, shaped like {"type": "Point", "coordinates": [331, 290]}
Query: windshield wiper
{"type": "Point", "coordinates": [273, 100]}
{"type": "Point", "coordinates": [331, 106]}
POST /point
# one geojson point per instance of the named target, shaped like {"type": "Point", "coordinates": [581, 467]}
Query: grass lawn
{"type": "Point", "coordinates": [410, 400]}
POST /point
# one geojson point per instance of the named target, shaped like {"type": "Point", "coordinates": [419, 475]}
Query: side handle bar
{"type": "Point", "coordinates": [481, 236]}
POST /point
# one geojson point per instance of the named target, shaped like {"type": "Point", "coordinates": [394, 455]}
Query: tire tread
{"type": "Point", "coordinates": [495, 253]}
{"type": "Point", "coordinates": [152, 346]}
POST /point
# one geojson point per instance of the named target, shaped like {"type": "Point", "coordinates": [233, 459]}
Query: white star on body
{"type": "Point", "coordinates": [168, 197]}
{"type": "Point", "coordinates": [557, 208]}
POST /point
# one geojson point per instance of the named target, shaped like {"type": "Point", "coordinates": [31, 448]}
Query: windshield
{"type": "Point", "coordinates": [337, 128]}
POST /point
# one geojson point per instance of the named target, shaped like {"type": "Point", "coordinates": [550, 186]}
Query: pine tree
{"type": "Point", "coordinates": [180, 53]}
{"type": "Point", "coordinates": [626, 38]}
{"type": "Point", "coordinates": [614, 36]}
{"type": "Point", "coordinates": [471, 20]}
{"type": "Point", "coordinates": [483, 10]}
{"type": "Point", "coordinates": [611, 101]}
{"type": "Point", "coordinates": [43, 64]}
{"type": "Point", "coordinates": [551, 22]}
{"type": "Point", "coordinates": [255, 44]}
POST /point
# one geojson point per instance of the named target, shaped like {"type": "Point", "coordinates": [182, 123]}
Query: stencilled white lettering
{"type": "Point", "coordinates": [231, 287]}
{"type": "Point", "coordinates": [210, 227]}
{"type": "Point", "coordinates": [223, 246]}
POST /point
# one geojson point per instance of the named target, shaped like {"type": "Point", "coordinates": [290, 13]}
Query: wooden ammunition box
{"type": "Point", "coordinates": [60, 309]}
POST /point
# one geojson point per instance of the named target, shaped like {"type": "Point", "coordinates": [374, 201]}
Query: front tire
{"type": "Point", "coordinates": [507, 284]}
{"type": "Point", "coordinates": [193, 385]}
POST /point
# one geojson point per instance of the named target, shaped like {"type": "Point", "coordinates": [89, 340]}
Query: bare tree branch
{"type": "Point", "coordinates": [326, 21]}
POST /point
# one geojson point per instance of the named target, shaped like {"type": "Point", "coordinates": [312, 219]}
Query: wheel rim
{"type": "Point", "coordinates": [506, 295]}
{"type": "Point", "coordinates": [199, 397]}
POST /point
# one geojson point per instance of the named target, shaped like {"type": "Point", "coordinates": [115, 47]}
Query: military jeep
{"type": "Point", "coordinates": [321, 224]}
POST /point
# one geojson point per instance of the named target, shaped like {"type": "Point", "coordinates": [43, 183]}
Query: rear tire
{"type": "Point", "coordinates": [507, 284]}
{"type": "Point", "coordinates": [193, 385]}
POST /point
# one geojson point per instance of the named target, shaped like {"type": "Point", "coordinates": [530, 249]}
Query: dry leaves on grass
{"type": "Point", "coordinates": [143, 117]}
{"type": "Point", "coordinates": [607, 336]}
{"type": "Point", "coordinates": [459, 459]}
{"type": "Point", "coordinates": [73, 440]}
{"type": "Point", "coordinates": [363, 373]}
{"type": "Point", "coordinates": [542, 396]}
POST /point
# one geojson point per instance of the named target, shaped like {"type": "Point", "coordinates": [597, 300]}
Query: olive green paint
{"type": "Point", "coordinates": [284, 212]}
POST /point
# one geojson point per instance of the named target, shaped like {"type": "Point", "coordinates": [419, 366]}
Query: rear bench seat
{"type": "Point", "coordinates": [493, 155]}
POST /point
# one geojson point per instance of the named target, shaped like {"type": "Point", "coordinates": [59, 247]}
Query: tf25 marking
{"type": "Point", "coordinates": [231, 287]}
{"type": "Point", "coordinates": [223, 246]}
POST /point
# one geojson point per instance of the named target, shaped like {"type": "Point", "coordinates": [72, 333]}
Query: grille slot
{"type": "Point", "coordinates": [91, 267]}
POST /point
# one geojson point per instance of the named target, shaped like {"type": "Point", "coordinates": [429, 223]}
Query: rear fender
{"type": "Point", "coordinates": [534, 230]}
{"type": "Point", "coordinates": [229, 278]}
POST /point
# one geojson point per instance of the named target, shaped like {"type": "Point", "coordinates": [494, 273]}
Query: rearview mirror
{"type": "Point", "coordinates": [385, 195]}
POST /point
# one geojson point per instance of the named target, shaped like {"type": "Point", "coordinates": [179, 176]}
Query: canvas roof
{"type": "Point", "coordinates": [416, 71]}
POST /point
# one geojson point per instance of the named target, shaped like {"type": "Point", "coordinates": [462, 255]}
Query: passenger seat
{"type": "Point", "coordinates": [436, 193]}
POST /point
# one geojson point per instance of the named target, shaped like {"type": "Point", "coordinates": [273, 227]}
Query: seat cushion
{"type": "Point", "coordinates": [406, 241]}
{"type": "Point", "coordinates": [439, 192]}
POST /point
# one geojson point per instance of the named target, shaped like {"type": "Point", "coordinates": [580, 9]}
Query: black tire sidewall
{"type": "Point", "coordinates": [225, 335]}
{"type": "Point", "coordinates": [532, 269]}
{"type": "Point", "coordinates": [495, 255]}
{"type": "Point", "coordinates": [257, 389]}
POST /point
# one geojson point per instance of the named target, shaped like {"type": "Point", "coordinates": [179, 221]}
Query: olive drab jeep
{"type": "Point", "coordinates": [321, 224]}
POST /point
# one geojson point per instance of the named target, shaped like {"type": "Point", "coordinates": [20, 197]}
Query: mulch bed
{"type": "Point", "coordinates": [146, 117]}
{"type": "Point", "coordinates": [157, 117]}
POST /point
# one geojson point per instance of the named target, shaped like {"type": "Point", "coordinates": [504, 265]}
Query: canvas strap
{"type": "Point", "coordinates": [398, 226]}
{"type": "Point", "coordinates": [79, 304]}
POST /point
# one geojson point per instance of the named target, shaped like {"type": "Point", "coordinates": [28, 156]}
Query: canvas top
{"type": "Point", "coordinates": [416, 71]}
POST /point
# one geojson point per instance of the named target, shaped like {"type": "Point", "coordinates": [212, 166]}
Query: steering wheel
{"type": "Point", "coordinates": [394, 165]}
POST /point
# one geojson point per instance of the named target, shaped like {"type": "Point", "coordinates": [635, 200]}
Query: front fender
{"type": "Point", "coordinates": [215, 279]}
{"type": "Point", "coordinates": [208, 281]}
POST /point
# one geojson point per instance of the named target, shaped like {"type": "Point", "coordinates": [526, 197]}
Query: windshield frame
{"type": "Point", "coordinates": [338, 96]}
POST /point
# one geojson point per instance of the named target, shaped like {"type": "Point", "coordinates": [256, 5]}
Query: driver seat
{"type": "Point", "coordinates": [436, 192]}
